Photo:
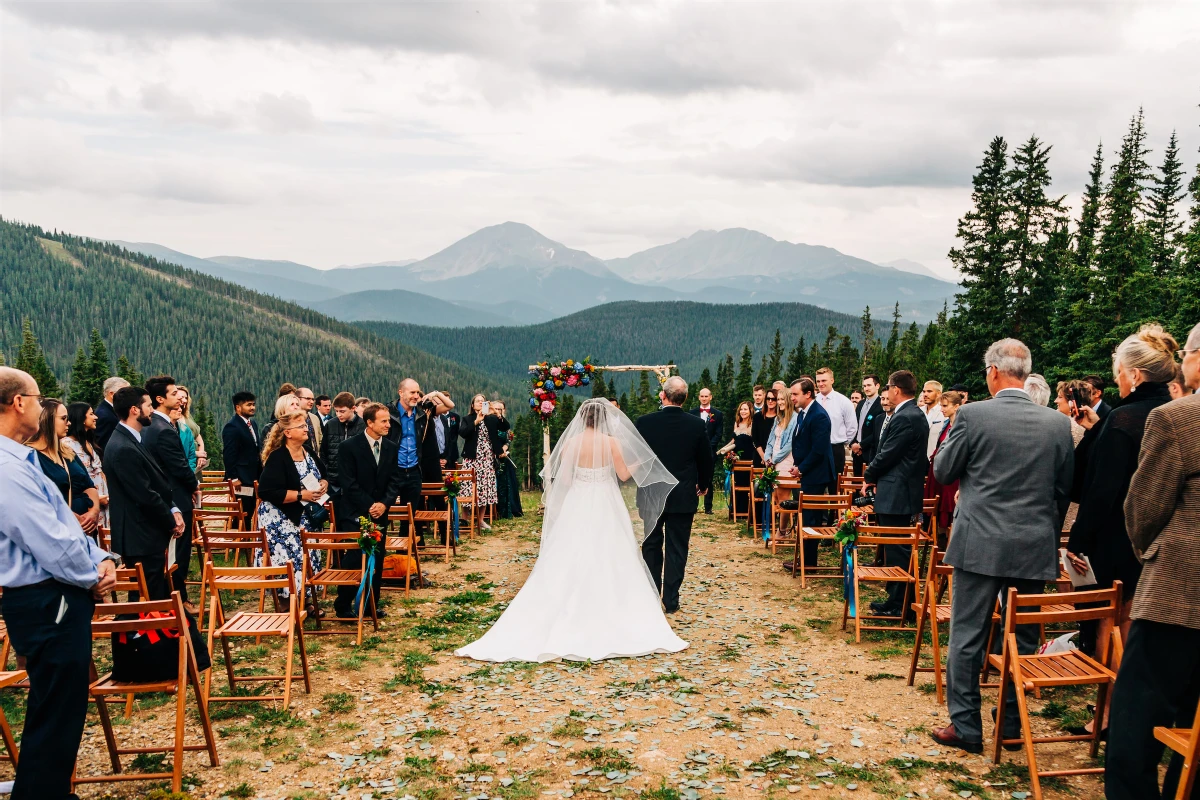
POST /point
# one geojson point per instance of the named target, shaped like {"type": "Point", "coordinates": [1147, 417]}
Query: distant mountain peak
{"type": "Point", "coordinates": [509, 245]}
{"type": "Point", "coordinates": [911, 267]}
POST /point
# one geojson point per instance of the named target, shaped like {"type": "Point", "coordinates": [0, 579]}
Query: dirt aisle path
{"type": "Point", "coordinates": [770, 699]}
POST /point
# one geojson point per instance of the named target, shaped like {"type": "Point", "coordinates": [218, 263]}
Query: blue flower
{"type": "Point", "coordinates": [533, 402]}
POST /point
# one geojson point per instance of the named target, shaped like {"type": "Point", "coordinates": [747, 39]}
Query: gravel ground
{"type": "Point", "coordinates": [770, 699]}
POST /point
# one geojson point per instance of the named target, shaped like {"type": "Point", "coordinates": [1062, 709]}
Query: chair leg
{"type": "Point", "coordinates": [180, 719]}
{"type": "Point", "coordinates": [916, 654]}
{"type": "Point", "coordinates": [303, 659]}
{"type": "Point", "coordinates": [858, 612]}
{"type": "Point", "coordinates": [1035, 783]}
{"type": "Point", "coordinates": [128, 706]}
{"type": "Point", "coordinates": [10, 744]}
{"type": "Point", "coordinates": [1098, 717]}
{"type": "Point", "coordinates": [938, 680]}
{"type": "Point", "coordinates": [202, 708]}
{"type": "Point", "coordinates": [110, 737]}
{"type": "Point", "coordinates": [287, 668]}
{"type": "Point", "coordinates": [229, 665]}
{"type": "Point", "coordinates": [998, 733]}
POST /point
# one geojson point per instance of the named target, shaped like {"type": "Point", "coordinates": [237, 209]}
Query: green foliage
{"type": "Point", "coordinates": [214, 336]}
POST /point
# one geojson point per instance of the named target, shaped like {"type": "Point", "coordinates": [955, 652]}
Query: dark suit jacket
{"type": "Point", "coordinates": [162, 442]}
{"type": "Point", "coordinates": [1084, 451]}
{"type": "Point", "coordinates": [899, 467]}
{"type": "Point", "coordinates": [427, 449]}
{"type": "Point", "coordinates": [279, 476]}
{"type": "Point", "coordinates": [870, 428]}
{"type": "Point", "coordinates": [106, 423]}
{"type": "Point", "coordinates": [681, 443]}
{"type": "Point", "coordinates": [241, 450]}
{"type": "Point", "coordinates": [812, 452]}
{"type": "Point", "coordinates": [451, 420]}
{"type": "Point", "coordinates": [364, 482]}
{"type": "Point", "coordinates": [139, 497]}
{"type": "Point", "coordinates": [713, 427]}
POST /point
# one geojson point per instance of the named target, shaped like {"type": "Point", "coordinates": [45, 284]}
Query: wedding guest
{"type": "Point", "coordinates": [285, 404]}
{"type": "Point", "coordinates": [240, 440]}
{"type": "Point", "coordinates": [198, 455]}
{"type": "Point", "coordinates": [324, 408]}
{"type": "Point", "coordinates": [480, 433]}
{"type": "Point", "coordinates": [285, 503]}
{"type": "Point", "coordinates": [1063, 403]}
{"type": "Point", "coordinates": [1178, 386]}
{"type": "Point", "coordinates": [931, 393]}
{"type": "Point", "coordinates": [144, 516]}
{"type": "Point", "coordinates": [1160, 670]}
{"type": "Point", "coordinates": [856, 397]}
{"type": "Point", "coordinates": [81, 437]}
{"type": "Point", "coordinates": [870, 420]}
{"type": "Point", "coordinates": [713, 426]}
{"type": "Point", "coordinates": [52, 575]}
{"type": "Point", "coordinates": [1002, 538]}
{"type": "Point", "coordinates": [307, 402]}
{"type": "Point", "coordinates": [950, 402]}
{"type": "Point", "coordinates": [811, 455]}
{"type": "Point", "coordinates": [508, 483]}
{"type": "Point", "coordinates": [897, 473]}
{"type": "Point", "coordinates": [764, 421]}
{"type": "Point", "coordinates": [412, 430]}
{"type": "Point", "coordinates": [360, 405]}
{"type": "Point", "coordinates": [779, 445]}
{"type": "Point", "coordinates": [59, 464]}
{"type": "Point", "coordinates": [1037, 389]}
{"type": "Point", "coordinates": [186, 437]}
{"type": "Point", "coordinates": [961, 388]}
{"type": "Point", "coordinates": [744, 446]}
{"type": "Point", "coordinates": [1142, 365]}
{"type": "Point", "coordinates": [162, 442]}
{"type": "Point", "coordinates": [842, 416]}
{"type": "Point", "coordinates": [1084, 450]}
{"type": "Point", "coordinates": [760, 397]}
{"type": "Point", "coordinates": [448, 422]}
{"type": "Point", "coordinates": [344, 424]}
{"type": "Point", "coordinates": [106, 418]}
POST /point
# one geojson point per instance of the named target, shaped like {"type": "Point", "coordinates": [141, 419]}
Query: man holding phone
{"type": "Point", "coordinates": [1094, 411]}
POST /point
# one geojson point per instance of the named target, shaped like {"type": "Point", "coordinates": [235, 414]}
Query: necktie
{"type": "Point", "coordinates": [250, 425]}
{"type": "Point", "coordinates": [886, 421]}
{"type": "Point", "coordinates": [375, 450]}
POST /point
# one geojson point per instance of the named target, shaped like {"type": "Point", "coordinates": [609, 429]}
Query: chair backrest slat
{"type": "Point", "coordinates": [1018, 612]}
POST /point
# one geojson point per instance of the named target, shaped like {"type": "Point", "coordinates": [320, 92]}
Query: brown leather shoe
{"type": "Point", "coordinates": [949, 737]}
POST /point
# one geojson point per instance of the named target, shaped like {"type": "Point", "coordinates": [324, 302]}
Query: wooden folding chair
{"type": "Point", "coordinates": [466, 501]}
{"type": "Point", "coordinates": [1072, 668]}
{"type": "Point", "coordinates": [850, 484]}
{"type": "Point", "coordinates": [129, 579]}
{"type": "Point", "coordinates": [5, 644]}
{"type": "Point", "coordinates": [755, 473]}
{"type": "Point", "coordinates": [784, 488]}
{"type": "Point", "coordinates": [212, 475]}
{"type": "Point", "coordinates": [288, 624]}
{"type": "Point", "coordinates": [837, 503]}
{"type": "Point", "coordinates": [741, 468]}
{"type": "Point", "coordinates": [403, 519]}
{"type": "Point", "coordinates": [932, 613]}
{"type": "Point", "coordinates": [9, 680]}
{"type": "Point", "coordinates": [329, 543]}
{"type": "Point", "coordinates": [175, 625]}
{"type": "Point", "coordinates": [879, 536]}
{"type": "Point", "coordinates": [1185, 742]}
{"type": "Point", "coordinates": [440, 520]}
{"type": "Point", "coordinates": [251, 542]}
{"type": "Point", "coordinates": [216, 490]}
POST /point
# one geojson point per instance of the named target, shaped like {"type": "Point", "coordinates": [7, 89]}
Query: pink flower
{"type": "Point", "coordinates": [547, 407]}
{"type": "Point", "coordinates": [572, 380]}
{"type": "Point", "coordinates": [538, 392]}
{"type": "Point", "coordinates": [555, 371]}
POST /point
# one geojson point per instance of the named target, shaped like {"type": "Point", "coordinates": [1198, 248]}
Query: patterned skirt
{"type": "Point", "coordinates": [284, 540]}
{"type": "Point", "coordinates": [485, 471]}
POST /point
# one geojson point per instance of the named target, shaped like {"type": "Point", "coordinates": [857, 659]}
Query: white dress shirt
{"type": "Point", "coordinates": [842, 420]}
{"type": "Point", "coordinates": [936, 420]}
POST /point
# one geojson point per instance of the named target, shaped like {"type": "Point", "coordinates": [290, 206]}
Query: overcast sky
{"type": "Point", "coordinates": [340, 133]}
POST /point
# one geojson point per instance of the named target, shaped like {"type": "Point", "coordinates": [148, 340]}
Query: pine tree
{"type": "Point", "coordinates": [1089, 216]}
{"type": "Point", "coordinates": [743, 385]}
{"type": "Point", "coordinates": [208, 431]}
{"type": "Point", "coordinates": [80, 381]}
{"type": "Point", "coordinates": [644, 401]}
{"type": "Point", "coordinates": [775, 363]}
{"type": "Point", "coordinates": [31, 359]}
{"type": "Point", "coordinates": [870, 345]}
{"type": "Point", "coordinates": [983, 257]}
{"type": "Point", "coordinates": [1036, 218]}
{"type": "Point", "coordinates": [599, 388]}
{"type": "Point", "coordinates": [891, 351]}
{"type": "Point", "coordinates": [90, 371]}
{"type": "Point", "coordinates": [1162, 213]}
{"type": "Point", "coordinates": [846, 365]}
{"type": "Point", "coordinates": [797, 362]}
{"type": "Point", "coordinates": [909, 352]}
{"type": "Point", "coordinates": [761, 377]}
{"type": "Point", "coordinates": [932, 350]}
{"type": "Point", "coordinates": [129, 372]}
{"type": "Point", "coordinates": [1185, 286]}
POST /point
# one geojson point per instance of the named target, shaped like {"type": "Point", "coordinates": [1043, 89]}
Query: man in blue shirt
{"type": "Point", "coordinates": [412, 429]}
{"type": "Point", "coordinates": [52, 575]}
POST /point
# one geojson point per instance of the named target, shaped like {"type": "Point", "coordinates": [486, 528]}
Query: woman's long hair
{"type": "Point", "coordinates": [783, 410]}
{"type": "Point", "coordinates": [770, 393]}
{"type": "Point", "coordinates": [186, 416]}
{"type": "Point", "coordinates": [46, 439]}
{"type": "Point", "coordinates": [737, 415]}
{"type": "Point", "coordinates": [275, 437]}
{"type": "Point", "coordinates": [77, 427]}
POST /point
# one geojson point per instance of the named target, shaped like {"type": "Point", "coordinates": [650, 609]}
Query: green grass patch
{"type": "Point", "coordinates": [661, 792]}
{"type": "Point", "coordinates": [339, 702]}
{"type": "Point", "coordinates": [429, 733]}
{"type": "Point", "coordinates": [606, 758]}
{"type": "Point", "coordinates": [572, 728]}
{"type": "Point", "coordinates": [516, 740]}
{"type": "Point", "coordinates": [884, 676]}
{"type": "Point", "coordinates": [149, 762]}
{"type": "Point", "coordinates": [469, 598]}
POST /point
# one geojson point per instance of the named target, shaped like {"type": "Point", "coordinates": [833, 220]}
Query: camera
{"type": "Point", "coordinates": [427, 405]}
{"type": "Point", "coordinates": [867, 499]}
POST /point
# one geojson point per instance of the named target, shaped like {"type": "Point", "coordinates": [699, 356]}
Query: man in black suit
{"type": "Point", "coordinates": [447, 419]}
{"type": "Point", "coordinates": [713, 429]}
{"type": "Point", "coordinates": [870, 420]}
{"type": "Point", "coordinates": [369, 477]}
{"type": "Point", "coordinates": [898, 474]}
{"type": "Point", "coordinates": [681, 442]}
{"type": "Point", "coordinates": [106, 418]}
{"type": "Point", "coordinates": [1083, 451]}
{"type": "Point", "coordinates": [162, 442]}
{"type": "Point", "coordinates": [144, 517]}
{"type": "Point", "coordinates": [242, 443]}
{"type": "Point", "coordinates": [813, 461]}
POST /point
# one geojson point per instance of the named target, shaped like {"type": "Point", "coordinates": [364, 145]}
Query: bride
{"type": "Point", "coordinates": [590, 595]}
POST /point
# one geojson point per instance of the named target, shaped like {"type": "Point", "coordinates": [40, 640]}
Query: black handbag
{"type": "Point", "coordinates": [153, 655]}
{"type": "Point", "coordinates": [315, 517]}
{"type": "Point", "coordinates": [789, 505]}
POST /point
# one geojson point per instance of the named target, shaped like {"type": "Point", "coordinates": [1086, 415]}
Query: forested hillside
{"type": "Point", "coordinates": [214, 336]}
{"type": "Point", "coordinates": [691, 335]}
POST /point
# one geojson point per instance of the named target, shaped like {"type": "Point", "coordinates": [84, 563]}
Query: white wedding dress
{"type": "Point", "coordinates": [590, 595]}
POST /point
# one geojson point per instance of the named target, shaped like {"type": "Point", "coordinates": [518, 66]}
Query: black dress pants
{"type": "Point", "coordinates": [343, 604]}
{"type": "Point", "coordinates": [410, 492]}
{"type": "Point", "coordinates": [839, 459]}
{"type": "Point", "coordinates": [1158, 684]}
{"type": "Point", "coordinates": [154, 565]}
{"type": "Point", "coordinates": [58, 657]}
{"type": "Point", "coordinates": [708, 498]}
{"type": "Point", "coordinates": [896, 555]}
{"type": "Point", "coordinates": [671, 534]}
{"type": "Point", "coordinates": [183, 556]}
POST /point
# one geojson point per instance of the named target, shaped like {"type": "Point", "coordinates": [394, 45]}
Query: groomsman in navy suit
{"type": "Point", "coordinates": [242, 443]}
{"type": "Point", "coordinates": [812, 455]}
{"type": "Point", "coordinates": [713, 428]}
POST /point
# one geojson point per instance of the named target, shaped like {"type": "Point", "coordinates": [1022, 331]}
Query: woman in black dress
{"type": "Point", "coordinates": [60, 465]}
{"type": "Point", "coordinates": [744, 445]}
{"type": "Point", "coordinates": [764, 421]}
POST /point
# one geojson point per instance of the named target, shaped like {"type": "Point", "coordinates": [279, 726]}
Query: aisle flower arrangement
{"type": "Point", "coordinates": [547, 379]}
{"type": "Point", "coordinates": [764, 484]}
{"type": "Point", "coordinates": [848, 524]}
{"type": "Point", "coordinates": [452, 484]}
{"type": "Point", "coordinates": [370, 538]}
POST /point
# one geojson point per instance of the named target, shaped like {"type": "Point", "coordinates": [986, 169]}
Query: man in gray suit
{"type": "Point", "coordinates": [1015, 462]}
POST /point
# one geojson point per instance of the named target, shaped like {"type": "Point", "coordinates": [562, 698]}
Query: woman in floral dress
{"type": "Point", "coordinates": [285, 505]}
{"type": "Point", "coordinates": [479, 429]}
{"type": "Point", "coordinates": [81, 437]}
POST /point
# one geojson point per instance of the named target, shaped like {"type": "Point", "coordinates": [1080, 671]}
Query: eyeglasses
{"type": "Point", "coordinates": [889, 386]}
{"type": "Point", "coordinates": [772, 400]}
{"type": "Point", "coordinates": [986, 369]}
{"type": "Point", "coordinates": [1185, 353]}
{"type": "Point", "coordinates": [41, 398]}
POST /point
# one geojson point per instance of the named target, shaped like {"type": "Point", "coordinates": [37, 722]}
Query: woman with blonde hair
{"type": "Point", "coordinates": [779, 444]}
{"type": "Point", "coordinates": [1143, 364]}
{"type": "Point", "coordinates": [286, 504]}
{"type": "Point", "coordinates": [59, 464]}
{"type": "Point", "coordinates": [743, 444]}
{"type": "Point", "coordinates": [189, 432]}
